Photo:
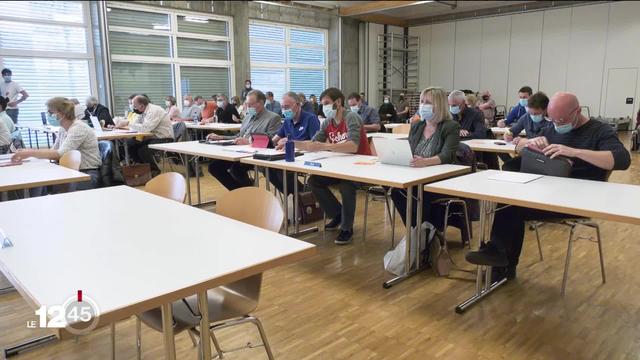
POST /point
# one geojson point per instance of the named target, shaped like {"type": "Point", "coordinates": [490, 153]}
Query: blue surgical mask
{"type": "Point", "coordinates": [523, 102]}
{"type": "Point", "coordinates": [288, 114]}
{"type": "Point", "coordinates": [52, 119]}
{"type": "Point", "coordinates": [563, 129]}
{"type": "Point", "coordinates": [454, 109]}
{"type": "Point", "coordinates": [329, 112]}
{"type": "Point", "coordinates": [251, 111]}
{"type": "Point", "coordinates": [7, 78]}
{"type": "Point", "coordinates": [426, 112]}
{"type": "Point", "coordinates": [536, 118]}
{"type": "Point", "coordinates": [355, 108]}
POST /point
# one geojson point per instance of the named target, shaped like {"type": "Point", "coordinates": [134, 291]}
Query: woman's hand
{"type": "Point", "coordinates": [419, 161]}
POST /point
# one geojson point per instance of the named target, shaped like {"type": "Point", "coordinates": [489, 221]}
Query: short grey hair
{"type": "Point", "coordinates": [293, 95]}
{"type": "Point", "coordinates": [259, 95]}
{"type": "Point", "coordinates": [92, 99]}
{"type": "Point", "coordinates": [457, 95]}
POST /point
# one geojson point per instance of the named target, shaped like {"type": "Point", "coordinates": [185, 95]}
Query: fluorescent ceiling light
{"type": "Point", "coordinates": [196, 19]}
{"type": "Point", "coordinates": [161, 27]}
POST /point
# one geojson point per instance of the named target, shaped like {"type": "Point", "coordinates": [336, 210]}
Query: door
{"type": "Point", "coordinates": [621, 93]}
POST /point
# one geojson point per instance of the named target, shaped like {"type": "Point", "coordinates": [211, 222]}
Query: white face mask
{"type": "Point", "coordinates": [329, 112]}
{"type": "Point", "coordinates": [386, 101]}
{"type": "Point", "coordinates": [167, 103]}
{"type": "Point", "coordinates": [220, 103]}
{"type": "Point", "coordinates": [186, 103]}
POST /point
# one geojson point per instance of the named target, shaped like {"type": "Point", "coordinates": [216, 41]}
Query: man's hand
{"type": "Point", "coordinates": [540, 142]}
{"type": "Point", "coordinates": [122, 124]}
{"type": "Point", "coordinates": [310, 145]}
{"type": "Point", "coordinates": [501, 123]}
{"type": "Point", "coordinates": [515, 140]}
{"type": "Point", "coordinates": [464, 133]}
{"type": "Point", "coordinates": [555, 150]}
{"type": "Point", "coordinates": [418, 161]}
{"type": "Point", "coordinates": [280, 144]}
{"type": "Point", "coordinates": [20, 155]}
{"type": "Point", "coordinates": [214, 137]}
{"type": "Point", "coordinates": [508, 137]}
{"type": "Point", "coordinates": [241, 141]}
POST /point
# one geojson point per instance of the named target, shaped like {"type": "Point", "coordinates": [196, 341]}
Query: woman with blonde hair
{"type": "Point", "coordinates": [74, 135]}
{"type": "Point", "coordinates": [471, 100]}
{"type": "Point", "coordinates": [434, 140]}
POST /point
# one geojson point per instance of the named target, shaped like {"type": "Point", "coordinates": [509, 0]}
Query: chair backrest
{"type": "Point", "coordinates": [180, 132]}
{"type": "Point", "coordinates": [265, 209]}
{"type": "Point", "coordinates": [402, 129]}
{"type": "Point", "coordinates": [71, 160]}
{"type": "Point", "coordinates": [168, 185]}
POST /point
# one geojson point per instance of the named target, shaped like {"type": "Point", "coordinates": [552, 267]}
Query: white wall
{"type": "Point", "coordinates": [569, 49]}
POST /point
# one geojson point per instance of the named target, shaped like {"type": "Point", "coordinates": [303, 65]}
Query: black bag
{"type": "Point", "coordinates": [309, 208]}
{"type": "Point", "coordinates": [535, 162]}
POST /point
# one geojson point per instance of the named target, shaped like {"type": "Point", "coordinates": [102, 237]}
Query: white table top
{"type": "Point", "coordinates": [214, 126]}
{"type": "Point", "coordinates": [119, 134]}
{"type": "Point", "coordinates": [387, 135]}
{"type": "Point", "coordinates": [393, 125]}
{"type": "Point", "coordinates": [195, 148]}
{"type": "Point", "coordinates": [362, 168]}
{"type": "Point", "coordinates": [141, 260]}
{"type": "Point", "coordinates": [603, 200]}
{"type": "Point", "coordinates": [36, 172]}
{"type": "Point", "coordinates": [491, 145]}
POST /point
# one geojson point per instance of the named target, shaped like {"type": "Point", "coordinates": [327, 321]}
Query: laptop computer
{"type": "Point", "coordinates": [95, 123]}
{"type": "Point", "coordinates": [393, 151]}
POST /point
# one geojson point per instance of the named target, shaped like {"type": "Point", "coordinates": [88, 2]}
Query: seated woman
{"type": "Point", "coordinates": [74, 135]}
{"type": "Point", "coordinates": [434, 140]}
{"type": "Point", "coordinates": [7, 127]}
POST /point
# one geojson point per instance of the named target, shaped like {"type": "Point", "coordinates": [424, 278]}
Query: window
{"type": "Point", "coordinates": [286, 58]}
{"type": "Point", "coordinates": [162, 52]}
{"type": "Point", "coordinates": [47, 46]}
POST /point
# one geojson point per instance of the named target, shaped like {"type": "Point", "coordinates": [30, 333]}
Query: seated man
{"type": "Point", "coordinates": [258, 119]}
{"type": "Point", "coordinates": [387, 111]}
{"type": "Point", "coordinates": [520, 109]}
{"type": "Point", "coordinates": [595, 150]}
{"type": "Point", "coordinates": [226, 113]}
{"type": "Point", "coordinates": [272, 105]}
{"type": "Point", "coordinates": [298, 126]}
{"type": "Point", "coordinates": [153, 119]}
{"type": "Point", "coordinates": [369, 116]}
{"type": "Point", "coordinates": [471, 120]}
{"type": "Point", "coordinates": [532, 122]}
{"type": "Point", "coordinates": [190, 110]}
{"type": "Point", "coordinates": [342, 131]}
{"type": "Point", "coordinates": [98, 110]}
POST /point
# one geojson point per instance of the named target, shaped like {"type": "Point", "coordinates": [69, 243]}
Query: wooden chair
{"type": "Point", "coordinates": [231, 304]}
{"type": "Point", "coordinates": [71, 160]}
{"type": "Point", "coordinates": [169, 185]}
{"type": "Point", "coordinates": [402, 129]}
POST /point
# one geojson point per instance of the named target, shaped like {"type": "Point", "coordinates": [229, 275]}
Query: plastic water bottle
{"type": "Point", "coordinates": [195, 119]}
{"type": "Point", "coordinates": [289, 150]}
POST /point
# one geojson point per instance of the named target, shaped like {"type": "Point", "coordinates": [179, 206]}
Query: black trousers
{"type": "Point", "coordinates": [232, 175]}
{"type": "Point", "coordinates": [507, 233]}
{"type": "Point", "coordinates": [140, 152]}
{"type": "Point", "coordinates": [429, 211]}
{"type": "Point", "coordinates": [276, 178]}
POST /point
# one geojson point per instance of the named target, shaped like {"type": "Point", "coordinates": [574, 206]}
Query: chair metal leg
{"type": "Point", "coordinates": [466, 224]}
{"type": "Point", "coordinates": [567, 261]}
{"type": "Point", "coordinates": [263, 335]}
{"type": "Point", "coordinates": [604, 279]}
{"type": "Point", "coordinates": [216, 344]}
{"type": "Point", "coordinates": [535, 227]}
{"type": "Point", "coordinates": [393, 227]}
{"type": "Point", "coordinates": [139, 337]}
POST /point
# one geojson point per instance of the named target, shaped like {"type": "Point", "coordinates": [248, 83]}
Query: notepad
{"type": "Point", "coordinates": [514, 177]}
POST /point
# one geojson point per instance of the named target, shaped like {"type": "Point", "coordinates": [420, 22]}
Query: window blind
{"type": "Point", "coordinates": [137, 19]}
{"type": "Point", "coordinates": [155, 80]}
{"type": "Point", "coordinates": [66, 11]}
{"type": "Point", "coordinates": [17, 35]}
{"type": "Point", "coordinates": [266, 79]}
{"type": "Point", "coordinates": [204, 81]}
{"type": "Point", "coordinates": [203, 49]}
{"type": "Point", "coordinates": [143, 45]}
{"type": "Point", "coordinates": [202, 25]}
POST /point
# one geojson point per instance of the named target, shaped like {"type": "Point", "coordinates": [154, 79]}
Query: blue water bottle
{"type": "Point", "coordinates": [289, 150]}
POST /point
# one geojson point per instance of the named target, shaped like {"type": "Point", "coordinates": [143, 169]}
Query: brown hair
{"type": "Point", "coordinates": [63, 106]}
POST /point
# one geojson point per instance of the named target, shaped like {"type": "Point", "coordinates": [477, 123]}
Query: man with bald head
{"type": "Point", "coordinates": [594, 149]}
{"type": "Point", "coordinates": [152, 119]}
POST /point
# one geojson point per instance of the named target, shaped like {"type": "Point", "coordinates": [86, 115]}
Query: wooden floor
{"type": "Point", "coordinates": [332, 306]}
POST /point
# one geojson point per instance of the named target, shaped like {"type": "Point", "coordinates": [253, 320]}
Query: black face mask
{"type": "Point", "coordinates": [137, 111]}
{"type": "Point", "coordinates": [485, 98]}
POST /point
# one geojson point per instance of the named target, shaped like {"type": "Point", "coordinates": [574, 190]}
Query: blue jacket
{"type": "Point", "coordinates": [304, 129]}
{"type": "Point", "coordinates": [515, 114]}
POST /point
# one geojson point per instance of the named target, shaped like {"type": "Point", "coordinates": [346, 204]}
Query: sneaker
{"type": "Point", "coordinates": [489, 256]}
{"type": "Point", "coordinates": [344, 237]}
{"type": "Point", "coordinates": [333, 224]}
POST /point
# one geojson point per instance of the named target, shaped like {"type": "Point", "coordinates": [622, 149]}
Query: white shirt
{"type": "Point", "coordinates": [5, 135]}
{"type": "Point", "coordinates": [82, 138]}
{"type": "Point", "coordinates": [11, 91]}
{"type": "Point", "coordinates": [154, 120]}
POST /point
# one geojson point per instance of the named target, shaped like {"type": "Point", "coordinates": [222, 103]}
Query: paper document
{"type": "Point", "coordinates": [514, 177]}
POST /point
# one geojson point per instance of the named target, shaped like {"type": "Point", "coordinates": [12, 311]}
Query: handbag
{"type": "Point", "coordinates": [535, 162]}
{"type": "Point", "coordinates": [440, 259]}
{"type": "Point", "coordinates": [309, 208]}
{"type": "Point", "coordinates": [136, 175]}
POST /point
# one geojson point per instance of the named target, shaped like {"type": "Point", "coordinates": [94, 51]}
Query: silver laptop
{"type": "Point", "coordinates": [393, 151]}
{"type": "Point", "coordinates": [96, 123]}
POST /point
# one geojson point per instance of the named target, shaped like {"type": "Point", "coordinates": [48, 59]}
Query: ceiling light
{"type": "Point", "coordinates": [196, 19]}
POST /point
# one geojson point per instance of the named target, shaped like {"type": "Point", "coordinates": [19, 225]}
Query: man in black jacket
{"type": "Point", "coordinates": [471, 120]}
{"type": "Point", "coordinates": [98, 110]}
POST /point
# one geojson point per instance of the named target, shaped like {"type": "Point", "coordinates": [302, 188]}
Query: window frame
{"type": "Point", "coordinates": [173, 33]}
{"type": "Point", "coordinates": [287, 66]}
